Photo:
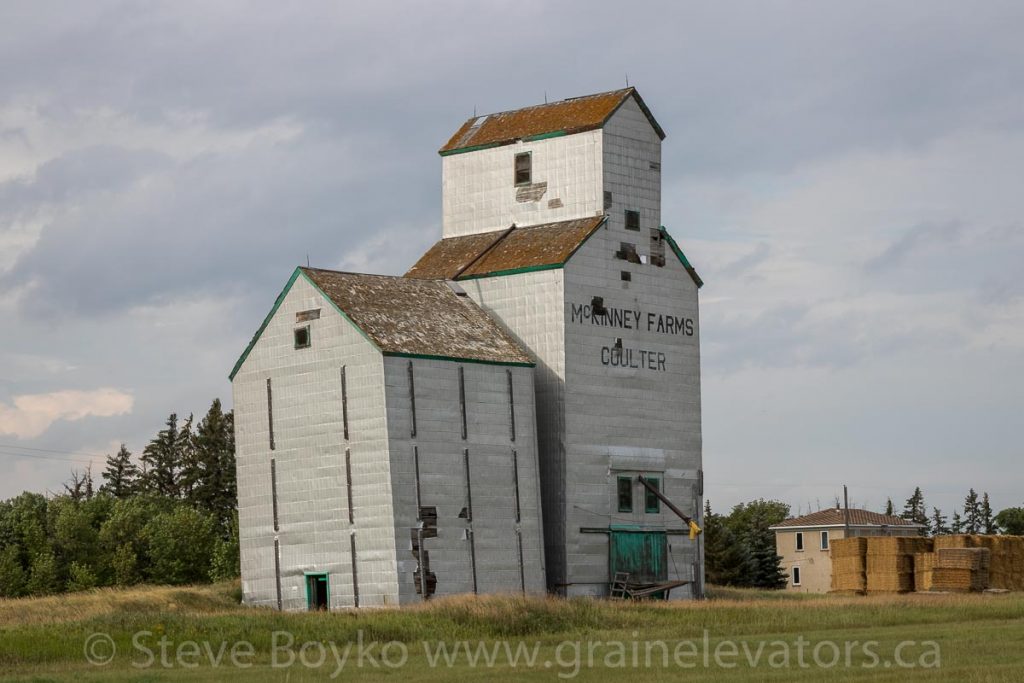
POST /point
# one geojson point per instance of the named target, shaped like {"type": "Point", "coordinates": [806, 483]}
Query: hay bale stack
{"type": "Point", "coordinates": [890, 562]}
{"type": "Point", "coordinates": [961, 569]}
{"type": "Point", "coordinates": [924, 563]}
{"type": "Point", "coordinates": [1006, 568]}
{"type": "Point", "coordinates": [848, 564]}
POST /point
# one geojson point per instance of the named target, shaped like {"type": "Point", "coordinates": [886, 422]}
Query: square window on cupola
{"type": "Point", "coordinates": [524, 168]}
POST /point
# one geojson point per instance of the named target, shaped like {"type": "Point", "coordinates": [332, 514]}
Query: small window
{"type": "Point", "coordinates": [303, 316]}
{"type": "Point", "coordinates": [302, 340]}
{"type": "Point", "coordinates": [799, 541]}
{"type": "Point", "coordinates": [824, 540]}
{"type": "Point", "coordinates": [524, 169]}
{"type": "Point", "coordinates": [625, 494]}
{"type": "Point", "coordinates": [651, 502]}
{"type": "Point", "coordinates": [796, 576]}
{"type": "Point", "coordinates": [607, 200]}
{"type": "Point", "coordinates": [626, 276]}
{"type": "Point", "coordinates": [627, 252]}
{"type": "Point", "coordinates": [632, 220]}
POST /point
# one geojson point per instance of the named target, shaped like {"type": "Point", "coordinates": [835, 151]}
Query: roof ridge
{"type": "Point", "coordinates": [554, 102]}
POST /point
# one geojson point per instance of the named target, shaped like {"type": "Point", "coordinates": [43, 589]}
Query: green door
{"type": "Point", "coordinates": [641, 554]}
{"type": "Point", "coordinates": [318, 592]}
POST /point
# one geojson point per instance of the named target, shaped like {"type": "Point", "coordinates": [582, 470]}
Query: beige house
{"type": "Point", "coordinates": [803, 542]}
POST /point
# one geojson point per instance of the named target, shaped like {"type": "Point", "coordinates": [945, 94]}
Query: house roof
{"type": "Point", "coordinates": [409, 317]}
{"type": "Point", "coordinates": [503, 252]}
{"type": "Point", "coordinates": [564, 117]}
{"type": "Point", "coordinates": [833, 517]}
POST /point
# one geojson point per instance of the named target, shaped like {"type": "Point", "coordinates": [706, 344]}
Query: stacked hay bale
{"type": "Point", "coordinates": [961, 569]}
{"type": "Point", "coordinates": [1006, 556]}
{"type": "Point", "coordinates": [924, 563]}
{"type": "Point", "coordinates": [849, 564]}
{"type": "Point", "coordinates": [890, 562]}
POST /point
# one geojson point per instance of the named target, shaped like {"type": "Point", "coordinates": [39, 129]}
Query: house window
{"type": "Point", "coordinates": [302, 338]}
{"type": "Point", "coordinates": [824, 540]}
{"type": "Point", "coordinates": [524, 168]}
{"type": "Point", "coordinates": [799, 541]}
{"type": "Point", "coordinates": [632, 220]}
{"type": "Point", "coordinates": [625, 494]}
{"type": "Point", "coordinates": [796, 576]}
{"type": "Point", "coordinates": [626, 276]}
{"type": "Point", "coordinates": [651, 502]}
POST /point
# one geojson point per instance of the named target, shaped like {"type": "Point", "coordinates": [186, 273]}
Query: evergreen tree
{"type": "Point", "coordinates": [972, 513]}
{"type": "Point", "coordinates": [214, 488]}
{"type": "Point", "coordinates": [766, 564]}
{"type": "Point", "coordinates": [162, 460]}
{"type": "Point", "coordinates": [889, 510]}
{"type": "Point", "coordinates": [957, 525]}
{"type": "Point", "coordinates": [939, 526]}
{"type": "Point", "coordinates": [726, 561]}
{"type": "Point", "coordinates": [189, 469]}
{"type": "Point", "coordinates": [988, 522]}
{"type": "Point", "coordinates": [915, 511]}
{"type": "Point", "coordinates": [121, 475]}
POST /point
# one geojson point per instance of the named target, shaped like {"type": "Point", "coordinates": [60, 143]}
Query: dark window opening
{"type": "Point", "coordinates": [632, 220]}
{"type": "Point", "coordinates": [627, 252]}
{"type": "Point", "coordinates": [302, 337]}
{"type": "Point", "coordinates": [796, 576]}
{"type": "Point", "coordinates": [524, 168]}
{"type": "Point", "coordinates": [651, 502]}
{"type": "Point", "coordinates": [626, 276]}
{"type": "Point", "coordinates": [303, 316]}
{"type": "Point", "coordinates": [625, 494]}
{"type": "Point", "coordinates": [824, 540]}
{"type": "Point", "coordinates": [597, 306]}
{"type": "Point", "coordinates": [799, 540]}
{"type": "Point", "coordinates": [607, 200]}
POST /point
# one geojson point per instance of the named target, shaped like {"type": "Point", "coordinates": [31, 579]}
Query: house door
{"type": "Point", "coordinates": [641, 554]}
{"type": "Point", "coordinates": [317, 592]}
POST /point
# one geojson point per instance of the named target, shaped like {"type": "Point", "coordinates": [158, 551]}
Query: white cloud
{"type": "Point", "coordinates": [32, 414]}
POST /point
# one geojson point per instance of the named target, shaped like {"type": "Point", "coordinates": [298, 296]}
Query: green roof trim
{"type": "Point", "coordinates": [277, 305]}
{"type": "Point", "coordinates": [682, 257]}
{"type": "Point", "coordinates": [513, 271]}
{"type": "Point", "coordinates": [478, 361]}
{"type": "Point", "coordinates": [473, 148]}
{"type": "Point", "coordinates": [266, 321]}
{"type": "Point", "coordinates": [545, 136]}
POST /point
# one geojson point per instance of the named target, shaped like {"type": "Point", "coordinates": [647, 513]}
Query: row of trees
{"type": "Point", "coordinates": [168, 517]}
{"type": "Point", "coordinates": [977, 516]}
{"type": "Point", "coordinates": [739, 548]}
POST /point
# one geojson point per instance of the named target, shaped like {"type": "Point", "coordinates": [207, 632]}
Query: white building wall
{"type": "Point", "coordinates": [625, 420]}
{"type": "Point", "coordinates": [530, 306]}
{"type": "Point", "coordinates": [442, 475]}
{"type": "Point", "coordinates": [309, 451]}
{"type": "Point", "coordinates": [631, 168]}
{"type": "Point", "coordinates": [479, 193]}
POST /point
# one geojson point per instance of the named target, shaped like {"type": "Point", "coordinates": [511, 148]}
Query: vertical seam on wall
{"type": "Point", "coordinates": [348, 485]}
{"type": "Point", "coordinates": [355, 573]}
{"type": "Point", "coordinates": [277, 572]}
{"type": "Point", "coordinates": [511, 408]}
{"type": "Point", "coordinates": [462, 401]}
{"type": "Point", "coordinates": [419, 494]}
{"type": "Point", "coordinates": [469, 519]}
{"type": "Point", "coordinates": [270, 413]}
{"type": "Point", "coordinates": [273, 492]}
{"type": "Point", "coordinates": [344, 401]}
{"type": "Point", "coordinates": [412, 399]}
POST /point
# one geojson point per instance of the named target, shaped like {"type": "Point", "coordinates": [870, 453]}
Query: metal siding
{"type": "Point", "coordinates": [442, 475]}
{"type": "Point", "coordinates": [310, 464]}
{"type": "Point", "coordinates": [479, 193]}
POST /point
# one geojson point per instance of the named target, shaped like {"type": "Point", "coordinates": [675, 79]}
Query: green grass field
{"type": "Point", "coordinates": [190, 634]}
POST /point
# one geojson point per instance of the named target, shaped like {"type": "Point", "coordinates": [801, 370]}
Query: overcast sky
{"type": "Point", "coordinates": [846, 177]}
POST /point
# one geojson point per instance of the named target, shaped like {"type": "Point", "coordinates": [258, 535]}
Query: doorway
{"type": "Point", "coordinates": [318, 592]}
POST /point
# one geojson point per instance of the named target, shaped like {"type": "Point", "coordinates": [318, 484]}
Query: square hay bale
{"type": "Point", "coordinates": [924, 563]}
{"type": "Point", "coordinates": [890, 564]}
{"type": "Point", "coordinates": [954, 541]}
{"type": "Point", "coordinates": [898, 545]}
{"type": "Point", "coordinates": [848, 574]}
{"type": "Point", "coordinates": [963, 558]}
{"type": "Point", "coordinates": [848, 547]}
{"type": "Point", "coordinates": [957, 579]}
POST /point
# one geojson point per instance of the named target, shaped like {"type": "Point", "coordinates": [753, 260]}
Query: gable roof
{"type": "Point", "coordinates": [564, 117]}
{"type": "Point", "coordinates": [833, 517]}
{"type": "Point", "coordinates": [409, 317]}
{"type": "Point", "coordinates": [505, 252]}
